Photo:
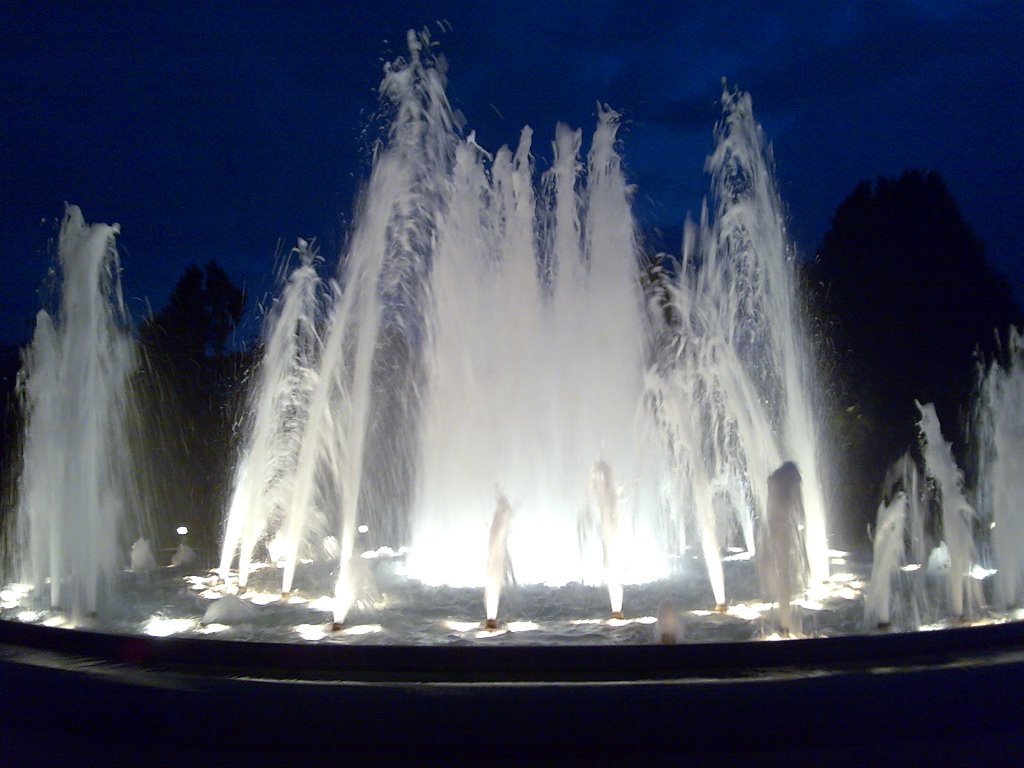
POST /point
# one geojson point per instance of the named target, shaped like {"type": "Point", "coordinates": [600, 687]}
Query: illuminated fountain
{"type": "Point", "coordinates": [75, 492]}
{"type": "Point", "coordinates": [999, 425]}
{"type": "Point", "coordinates": [486, 389]}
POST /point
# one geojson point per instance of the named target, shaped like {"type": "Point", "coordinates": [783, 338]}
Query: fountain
{"type": "Point", "coordinates": [486, 389]}
{"type": "Point", "coordinates": [999, 425]}
{"type": "Point", "coordinates": [488, 329]}
{"type": "Point", "coordinates": [75, 492]}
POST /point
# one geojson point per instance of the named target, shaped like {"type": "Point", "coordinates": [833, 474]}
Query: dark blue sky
{"type": "Point", "coordinates": [218, 130]}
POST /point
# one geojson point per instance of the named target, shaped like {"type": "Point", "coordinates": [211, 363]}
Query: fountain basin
{"type": "Point", "coordinates": [952, 694]}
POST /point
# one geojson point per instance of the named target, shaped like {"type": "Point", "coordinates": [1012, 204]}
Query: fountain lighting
{"type": "Point", "coordinates": [311, 632]}
{"type": "Point", "coordinates": [462, 626]}
{"type": "Point", "coordinates": [212, 629]}
{"type": "Point", "coordinates": [361, 629]}
{"type": "Point", "coordinates": [738, 557]}
{"type": "Point", "coordinates": [161, 626]}
{"type": "Point", "coordinates": [980, 573]}
{"type": "Point", "coordinates": [324, 603]}
{"type": "Point", "coordinates": [485, 634]}
{"type": "Point", "coordinates": [749, 611]}
{"type": "Point", "coordinates": [522, 626]}
{"type": "Point", "coordinates": [484, 402]}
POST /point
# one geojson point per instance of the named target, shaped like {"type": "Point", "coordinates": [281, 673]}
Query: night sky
{"type": "Point", "coordinates": [227, 130]}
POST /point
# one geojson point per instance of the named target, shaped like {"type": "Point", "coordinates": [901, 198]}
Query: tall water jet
{"type": "Point", "coordinates": [781, 554]}
{"type": "Point", "coordinates": [497, 559]}
{"type": "Point", "coordinates": [998, 416]}
{"type": "Point", "coordinates": [957, 514]}
{"type": "Point", "coordinates": [897, 590]}
{"type": "Point", "coordinates": [735, 395]}
{"type": "Point", "coordinates": [73, 491]}
{"type": "Point", "coordinates": [888, 557]}
{"type": "Point", "coordinates": [279, 409]}
{"type": "Point", "coordinates": [605, 499]}
{"type": "Point", "coordinates": [380, 271]}
{"type": "Point", "coordinates": [536, 343]}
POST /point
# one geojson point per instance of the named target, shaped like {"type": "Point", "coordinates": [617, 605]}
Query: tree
{"type": "Point", "coordinates": [190, 391]}
{"type": "Point", "coordinates": [203, 310]}
{"type": "Point", "coordinates": [912, 297]}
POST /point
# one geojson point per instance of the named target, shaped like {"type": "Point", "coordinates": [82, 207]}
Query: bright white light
{"type": "Point", "coordinates": [701, 612]}
{"type": "Point", "coordinates": [980, 573]}
{"type": "Point", "coordinates": [837, 560]}
{"type": "Point", "coordinates": [55, 621]}
{"type": "Point", "coordinates": [910, 567]}
{"type": "Point", "coordinates": [28, 616]}
{"type": "Point", "coordinates": [738, 557]}
{"type": "Point", "coordinates": [992, 525]}
{"type": "Point", "coordinates": [182, 530]}
{"type": "Point", "coordinates": [212, 629]}
{"type": "Point", "coordinates": [363, 528]}
{"type": "Point", "coordinates": [323, 603]}
{"type": "Point", "coordinates": [522, 626]}
{"type": "Point", "coordinates": [588, 621]}
{"type": "Point", "coordinates": [747, 612]}
{"type": "Point", "coordinates": [362, 629]}
{"type": "Point", "coordinates": [462, 626]}
{"type": "Point", "coordinates": [311, 631]}
{"type": "Point", "coordinates": [627, 622]}
{"type": "Point", "coordinates": [485, 633]}
{"type": "Point", "coordinates": [158, 626]}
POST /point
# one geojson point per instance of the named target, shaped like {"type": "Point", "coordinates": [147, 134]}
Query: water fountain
{"type": "Point", "coordinates": [501, 317]}
{"type": "Point", "coordinates": [71, 520]}
{"type": "Point", "coordinates": [488, 335]}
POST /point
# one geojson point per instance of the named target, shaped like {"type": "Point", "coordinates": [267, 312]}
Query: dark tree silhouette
{"type": "Point", "coordinates": [203, 310]}
{"type": "Point", "coordinates": [912, 297]}
{"type": "Point", "coordinates": [190, 389]}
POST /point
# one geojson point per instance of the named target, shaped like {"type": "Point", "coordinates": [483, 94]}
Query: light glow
{"type": "Point", "coordinates": [212, 629]}
{"type": "Point", "coordinates": [522, 626]}
{"type": "Point", "coordinates": [738, 557]}
{"type": "Point", "coordinates": [980, 573]}
{"type": "Point", "coordinates": [159, 626]}
{"type": "Point", "coordinates": [182, 530]}
{"type": "Point", "coordinates": [323, 603]}
{"type": "Point", "coordinates": [748, 611]}
{"type": "Point", "coordinates": [362, 629]}
{"type": "Point", "coordinates": [311, 632]}
{"type": "Point", "coordinates": [462, 626]}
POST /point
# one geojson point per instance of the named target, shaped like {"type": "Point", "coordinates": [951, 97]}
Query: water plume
{"type": "Point", "coordinates": [74, 490]}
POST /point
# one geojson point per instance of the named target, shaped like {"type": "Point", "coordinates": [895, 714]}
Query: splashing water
{"type": "Point", "coordinates": [73, 488]}
{"type": "Point", "coordinates": [999, 419]}
{"type": "Point", "coordinates": [735, 397]}
{"type": "Point", "coordinates": [531, 360]}
{"type": "Point", "coordinates": [487, 328]}
{"type": "Point", "coordinates": [957, 514]}
{"type": "Point", "coordinates": [286, 378]}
